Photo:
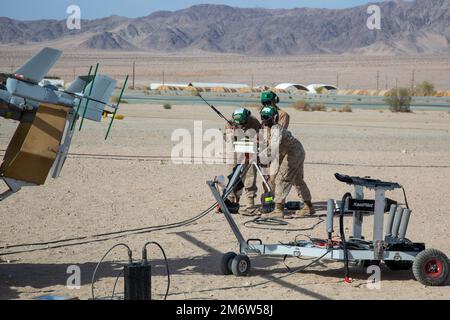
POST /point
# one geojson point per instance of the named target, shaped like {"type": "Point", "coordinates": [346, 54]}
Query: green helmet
{"type": "Point", "coordinates": [269, 97]}
{"type": "Point", "coordinates": [268, 114]}
{"type": "Point", "coordinates": [240, 116]}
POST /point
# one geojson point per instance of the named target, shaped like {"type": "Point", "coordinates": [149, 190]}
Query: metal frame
{"type": "Point", "coordinates": [14, 186]}
{"type": "Point", "coordinates": [65, 146]}
{"type": "Point", "coordinates": [308, 249]}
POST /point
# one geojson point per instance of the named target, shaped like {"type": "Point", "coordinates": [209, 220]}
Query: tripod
{"type": "Point", "coordinates": [241, 171]}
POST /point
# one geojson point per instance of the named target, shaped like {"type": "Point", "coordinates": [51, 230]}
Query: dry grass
{"type": "Point", "coordinates": [300, 106]}
{"type": "Point", "coordinates": [115, 99]}
{"type": "Point", "coordinates": [304, 106]}
{"type": "Point", "coordinates": [319, 107]}
{"type": "Point", "coordinates": [346, 109]}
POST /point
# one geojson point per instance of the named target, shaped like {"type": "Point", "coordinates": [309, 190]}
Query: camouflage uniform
{"type": "Point", "coordinates": [283, 118]}
{"type": "Point", "coordinates": [249, 180]}
{"type": "Point", "coordinates": [283, 121]}
{"type": "Point", "coordinates": [289, 169]}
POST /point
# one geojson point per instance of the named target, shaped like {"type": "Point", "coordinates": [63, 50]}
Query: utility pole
{"type": "Point", "coordinates": [163, 78]}
{"type": "Point", "coordinates": [378, 80]}
{"type": "Point", "coordinates": [134, 73]}
{"type": "Point", "coordinates": [253, 80]}
{"type": "Point", "coordinates": [74, 73]}
{"type": "Point", "coordinates": [413, 80]}
{"type": "Point", "coordinates": [387, 83]}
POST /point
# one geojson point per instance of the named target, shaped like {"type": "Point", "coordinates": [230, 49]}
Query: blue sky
{"type": "Point", "coordinates": [56, 9]}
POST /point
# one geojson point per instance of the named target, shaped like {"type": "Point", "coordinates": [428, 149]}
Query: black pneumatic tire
{"type": "Point", "coordinates": [431, 267]}
{"type": "Point", "coordinates": [225, 265]}
{"type": "Point", "coordinates": [240, 265]}
{"type": "Point", "coordinates": [399, 265]}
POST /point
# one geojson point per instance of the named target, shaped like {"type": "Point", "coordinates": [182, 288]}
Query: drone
{"type": "Point", "coordinates": [47, 118]}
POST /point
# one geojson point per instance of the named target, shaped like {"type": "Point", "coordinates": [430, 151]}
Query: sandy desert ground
{"type": "Point", "coordinates": [98, 194]}
{"type": "Point", "coordinates": [347, 71]}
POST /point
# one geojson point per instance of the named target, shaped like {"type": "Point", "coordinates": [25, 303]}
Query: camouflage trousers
{"type": "Point", "coordinates": [249, 181]}
{"type": "Point", "coordinates": [291, 174]}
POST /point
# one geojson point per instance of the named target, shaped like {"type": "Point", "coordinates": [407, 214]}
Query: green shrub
{"type": "Point", "coordinates": [346, 108]}
{"type": "Point", "coordinates": [399, 100]}
{"type": "Point", "coordinates": [318, 107]}
{"type": "Point", "coordinates": [167, 106]}
{"type": "Point", "coordinates": [301, 106]}
{"type": "Point", "coordinates": [425, 88]}
{"type": "Point", "coordinates": [320, 90]}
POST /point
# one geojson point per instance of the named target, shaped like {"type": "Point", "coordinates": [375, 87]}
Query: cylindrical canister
{"type": "Point", "coordinates": [330, 216]}
{"type": "Point", "coordinates": [397, 221]}
{"type": "Point", "coordinates": [404, 225]}
{"type": "Point", "coordinates": [390, 220]}
{"type": "Point", "coordinates": [138, 281]}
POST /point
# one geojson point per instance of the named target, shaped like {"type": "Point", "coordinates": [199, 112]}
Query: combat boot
{"type": "Point", "coordinates": [307, 210]}
{"type": "Point", "coordinates": [278, 213]}
{"type": "Point", "coordinates": [247, 206]}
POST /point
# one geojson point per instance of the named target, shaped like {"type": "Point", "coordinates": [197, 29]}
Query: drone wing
{"type": "Point", "coordinates": [79, 84]}
{"type": "Point", "coordinates": [39, 65]}
{"type": "Point", "coordinates": [101, 89]}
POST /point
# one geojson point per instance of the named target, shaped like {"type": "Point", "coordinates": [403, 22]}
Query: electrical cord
{"type": "Point", "coordinates": [107, 236]}
{"type": "Point", "coordinates": [144, 258]}
{"type": "Point", "coordinates": [406, 199]}
{"type": "Point", "coordinates": [292, 272]}
{"type": "Point", "coordinates": [111, 235]}
{"type": "Point", "coordinates": [342, 234]}
{"type": "Point", "coordinates": [130, 260]}
{"type": "Point", "coordinates": [263, 221]}
{"type": "Point", "coordinates": [115, 283]}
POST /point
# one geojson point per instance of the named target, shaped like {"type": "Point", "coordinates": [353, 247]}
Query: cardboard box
{"type": "Point", "coordinates": [34, 146]}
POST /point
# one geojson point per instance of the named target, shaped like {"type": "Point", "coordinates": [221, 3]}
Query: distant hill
{"type": "Point", "coordinates": [408, 27]}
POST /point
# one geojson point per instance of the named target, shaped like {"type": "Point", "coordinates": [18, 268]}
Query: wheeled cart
{"type": "Point", "coordinates": [430, 266]}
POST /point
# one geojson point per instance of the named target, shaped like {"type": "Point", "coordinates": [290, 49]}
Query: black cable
{"type": "Point", "coordinates": [406, 199]}
{"type": "Point", "coordinates": [262, 221]}
{"type": "Point", "coordinates": [264, 282]}
{"type": "Point", "coordinates": [130, 260]}
{"type": "Point", "coordinates": [144, 258]}
{"type": "Point", "coordinates": [115, 283]}
{"type": "Point", "coordinates": [128, 233]}
{"type": "Point", "coordinates": [342, 233]}
{"type": "Point", "coordinates": [120, 234]}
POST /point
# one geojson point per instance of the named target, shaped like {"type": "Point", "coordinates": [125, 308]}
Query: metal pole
{"type": "Point", "coordinates": [134, 73]}
{"type": "Point", "coordinates": [378, 80]}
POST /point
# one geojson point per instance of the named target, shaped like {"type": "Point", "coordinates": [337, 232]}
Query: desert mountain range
{"type": "Point", "coordinates": [407, 27]}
